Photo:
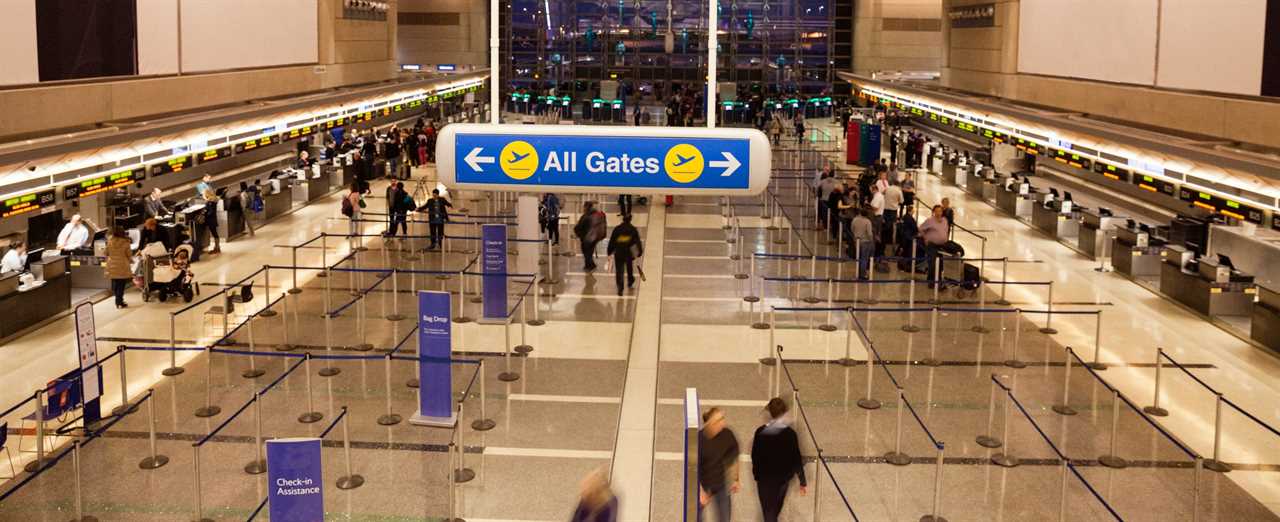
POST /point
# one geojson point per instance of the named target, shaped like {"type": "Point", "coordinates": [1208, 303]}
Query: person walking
{"type": "Point", "coordinates": [625, 246]}
{"type": "Point", "coordinates": [399, 204]}
{"type": "Point", "coordinates": [596, 501]}
{"type": "Point", "coordinates": [775, 459]}
{"type": "Point", "coordinates": [437, 209]}
{"type": "Point", "coordinates": [118, 263]}
{"type": "Point", "coordinates": [590, 230]}
{"type": "Point", "coordinates": [353, 208]}
{"type": "Point", "coordinates": [549, 217]}
{"type": "Point", "coordinates": [624, 204]}
{"type": "Point", "coordinates": [717, 465]}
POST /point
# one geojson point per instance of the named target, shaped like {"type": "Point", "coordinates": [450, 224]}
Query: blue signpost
{"type": "Point", "coordinates": [493, 263]}
{"type": "Point", "coordinates": [435, 374]}
{"type": "Point", "coordinates": [653, 160]}
{"type": "Point", "coordinates": [294, 479]}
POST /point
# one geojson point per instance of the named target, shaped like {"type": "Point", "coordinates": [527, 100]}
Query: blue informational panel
{"type": "Point", "coordinates": [493, 263]}
{"type": "Point", "coordinates": [870, 145]}
{"type": "Point", "coordinates": [294, 480]}
{"type": "Point", "coordinates": [435, 347]}
{"type": "Point", "coordinates": [535, 158]}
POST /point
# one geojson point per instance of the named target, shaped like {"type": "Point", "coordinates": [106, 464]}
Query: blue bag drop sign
{"type": "Point", "coordinates": [493, 263]}
{"type": "Point", "coordinates": [435, 374]}
{"type": "Point", "coordinates": [538, 158]}
{"type": "Point", "coordinates": [296, 484]}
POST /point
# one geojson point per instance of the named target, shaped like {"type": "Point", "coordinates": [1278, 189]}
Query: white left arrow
{"type": "Point", "coordinates": [730, 164]}
{"type": "Point", "coordinates": [474, 159]}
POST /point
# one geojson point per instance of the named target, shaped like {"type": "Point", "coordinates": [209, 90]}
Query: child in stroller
{"type": "Point", "coordinates": [170, 274]}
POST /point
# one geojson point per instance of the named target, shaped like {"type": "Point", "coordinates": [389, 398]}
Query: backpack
{"type": "Point", "coordinates": [255, 202]}
{"type": "Point", "coordinates": [346, 207]}
{"type": "Point", "coordinates": [580, 230]}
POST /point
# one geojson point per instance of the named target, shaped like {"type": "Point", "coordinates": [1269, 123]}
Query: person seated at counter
{"type": "Point", "coordinates": [304, 160]}
{"type": "Point", "coordinates": [15, 260]}
{"type": "Point", "coordinates": [154, 207]}
{"type": "Point", "coordinates": [75, 235]}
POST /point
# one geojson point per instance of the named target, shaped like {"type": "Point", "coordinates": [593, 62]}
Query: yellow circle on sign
{"type": "Point", "coordinates": [518, 160]}
{"type": "Point", "coordinates": [684, 163]}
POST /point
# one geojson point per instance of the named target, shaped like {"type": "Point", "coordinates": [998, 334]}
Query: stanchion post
{"type": "Point", "coordinates": [124, 408]}
{"type": "Point", "coordinates": [910, 327]}
{"type": "Point", "coordinates": [484, 423]}
{"type": "Point", "coordinates": [153, 460]}
{"type": "Point", "coordinates": [524, 347]}
{"type": "Point", "coordinates": [395, 314]}
{"type": "Point", "coordinates": [768, 359]}
{"type": "Point", "coordinates": [1006, 459]}
{"type": "Point", "coordinates": [987, 440]}
{"type": "Point", "coordinates": [311, 414]}
{"type": "Point", "coordinates": [1065, 408]}
{"type": "Point", "coordinates": [867, 402]}
{"type": "Point", "coordinates": [388, 418]}
{"type": "Point", "coordinates": [932, 359]}
{"type": "Point", "coordinates": [1048, 321]}
{"type": "Point", "coordinates": [1062, 500]}
{"type": "Point", "coordinates": [751, 296]}
{"type": "Point", "coordinates": [253, 372]}
{"type": "Point", "coordinates": [351, 480]}
{"type": "Point", "coordinates": [1013, 361]}
{"type": "Point", "coordinates": [75, 460]}
{"type": "Point", "coordinates": [1004, 282]}
{"type": "Point", "coordinates": [1097, 342]}
{"type": "Point", "coordinates": [507, 374]}
{"type": "Point", "coordinates": [208, 410]}
{"type": "Point", "coordinates": [1215, 463]}
{"type": "Point", "coordinates": [463, 473]}
{"type": "Point", "coordinates": [897, 457]}
{"type": "Point", "coordinates": [829, 326]}
{"type": "Point", "coordinates": [284, 320]}
{"type": "Point", "coordinates": [1154, 409]}
{"type": "Point", "coordinates": [258, 465]}
{"type": "Point", "coordinates": [934, 515]}
{"type": "Point", "coordinates": [1111, 460]}
{"type": "Point", "coordinates": [195, 473]}
{"type": "Point", "coordinates": [173, 368]}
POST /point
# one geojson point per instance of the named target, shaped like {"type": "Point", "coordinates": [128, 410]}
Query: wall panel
{"type": "Point", "coordinates": [234, 34]}
{"type": "Point", "coordinates": [19, 61]}
{"type": "Point", "coordinates": [1105, 40]}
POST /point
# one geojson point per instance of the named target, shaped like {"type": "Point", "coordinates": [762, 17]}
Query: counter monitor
{"type": "Point", "coordinates": [173, 165]}
{"type": "Point", "coordinates": [27, 203]}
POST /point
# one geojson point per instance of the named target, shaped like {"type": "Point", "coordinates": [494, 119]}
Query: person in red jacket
{"type": "Point", "coordinates": [775, 459]}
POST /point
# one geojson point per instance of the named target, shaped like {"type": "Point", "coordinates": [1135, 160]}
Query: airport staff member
{"type": "Point", "coordinates": [15, 260]}
{"type": "Point", "coordinates": [75, 235]}
{"type": "Point", "coordinates": [154, 206]}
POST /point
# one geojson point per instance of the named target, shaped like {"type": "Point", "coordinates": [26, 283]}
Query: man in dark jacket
{"type": "Point", "coordinates": [437, 209]}
{"type": "Point", "coordinates": [399, 204]}
{"type": "Point", "coordinates": [717, 465]}
{"type": "Point", "coordinates": [775, 458]}
{"type": "Point", "coordinates": [625, 247]}
{"type": "Point", "coordinates": [590, 230]}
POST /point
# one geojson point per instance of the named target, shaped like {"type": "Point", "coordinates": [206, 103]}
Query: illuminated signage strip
{"type": "Point", "coordinates": [101, 184]}
{"type": "Point", "coordinates": [213, 155]}
{"type": "Point", "coordinates": [1152, 170]}
{"type": "Point", "coordinates": [25, 203]}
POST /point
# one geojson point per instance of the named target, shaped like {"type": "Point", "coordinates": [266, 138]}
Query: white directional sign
{"type": "Point", "coordinates": [604, 159]}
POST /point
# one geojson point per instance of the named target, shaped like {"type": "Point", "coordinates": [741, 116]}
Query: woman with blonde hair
{"type": "Point", "coordinates": [597, 502]}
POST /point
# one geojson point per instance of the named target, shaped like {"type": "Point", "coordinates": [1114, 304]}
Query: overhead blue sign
{"type": "Point", "coordinates": [493, 263]}
{"type": "Point", "coordinates": [435, 348]}
{"type": "Point", "coordinates": [608, 159]}
{"type": "Point", "coordinates": [294, 479]}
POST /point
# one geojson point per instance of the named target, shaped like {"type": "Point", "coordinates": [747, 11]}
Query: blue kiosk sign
{"type": "Point", "coordinates": [601, 159]}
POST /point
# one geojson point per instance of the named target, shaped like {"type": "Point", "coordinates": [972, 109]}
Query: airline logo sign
{"type": "Point", "coordinates": [532, 158]}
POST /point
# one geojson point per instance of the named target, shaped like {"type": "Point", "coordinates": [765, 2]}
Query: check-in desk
{"type": "Point", "coordinates": [949, 171]}
{"type": "Point", "coordinates": [1264, 321]}
{"type": "Point", "coordinates": [24, 307]}
{"type": "Point", "coordinates": [1007, 198]}
{"type": "Point", "coordinates": [1095, 233]}
{"type": "Point", "coordinates": [277, 198]}
{"type": "Point", "coordinates": [1045, 216]}
{"type": "Point", "coordinates": [935, 164]}
{"type": "Point", "coordinates": [974, 181]}
{"type": "Point", "coordinates": [1210, 294]}
{"type": "Point", "coordinates": [1133, 253]}
{"type": "Point", "coordinates": [962, 176]}
{"type": "Point", "coordinates": [88, 271]}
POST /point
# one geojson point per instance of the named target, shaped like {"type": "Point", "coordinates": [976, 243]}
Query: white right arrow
{"type": "Point", "coordinates": [730, 164]}
{"type": "Point", "coordinates": [474, 159]}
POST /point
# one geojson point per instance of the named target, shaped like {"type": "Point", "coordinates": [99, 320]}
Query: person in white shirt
{"type": "Point", "coordinates": [15, 260]}
{"type": "Point", "coordinates": [75, 235]}
{"type": "Point", "coordinates": [877, 217]}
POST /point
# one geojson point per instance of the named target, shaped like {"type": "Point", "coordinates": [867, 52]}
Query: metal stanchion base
{"type": "Point", "coordinates": [207, 411]}
{"type": "Point", "coordinates": [224, 342]}
{"type": "Point", "coordinates": [869, 404]}
{"type": "Point", "coordinates": [549, 281]}
{"type": "Point", "coordinates": [256, 467]}
{"type": "Point", "coordinates": [910, 328]}
{"type": "Point", "coordinates": [253, 373]}
{"type": "Point", "coordinates": [362, 347]}
{"type": "Point", "coordinates": [1096, 366]}
{"type": "Point", "coordinates": [36, 465]}
{"type": "Point", "coordinates": [155, 462]}
{"type": "Point", "coordinates": [1155, 411]}
{"type": "Point", "coordinates": [390, 419]}
{"type": "Point", "coordinates": [759, 326]}
{"type": "Point", "coordinates": [328, 371]}
{"type": "Point", "coordinates": [361, 249]}
{"type": "Point", "coordinates": [535, 322]}
{"type": "Point", "coordinates": [285, 348]}
{"type": "Point", "coordinates": [779, 241]}
{"type": "Point", "coordinates": [322, 274]}
{"type": "Point", "coordinates": [483, 424]}
{"type": "Point", "coordinates": [829, 242]}
{"type": "Point", "coordinates": [1063, 409]}
{"type": "Point", "coordinates": [413, 383]}
{"type": "Point", "coordinates": [86, 518]}
{"type": "Point", "coordinates": [930, 361]}
{"type": "Point", "coordinates": [988, 441]}
{"type": "Point", "coordinates": [1049, 331]}
{"type": "Point", "coordinates": [897, 459]}
{"type": "Point", "coordinates": [980, 329]}
{"type": "Point", "coordinates": [1002, 302]}
{"type": "Point", "coordinates": [735, 257]}
{"type": "Point", "coordinates": [751, 299]}
{"type": "Point", "coordinates": [394, 317]}
{"type": "Point", "coordinates": [542, 262]}
{"type": "Point", "coordinates": [1112, 461]}
{"type": "Point", "coordinates": [476, 299]}
{"type": "Point", "coordinates": [124, 409]}
{"type": "Point", "coordinates": [933, 518]}
{"type": "Point", "coordinates": [740, 276]}
{"type": "Point", "coordinates": [1005, 461]}
{"type": "Point", "coordinates": [463, 319]}
{"type": "Point", "coordinates": [463, 475]}
{"type": "Point", "coordinates": [350, 482]}
{"type": "Point", "coordinates": [1014, 363]}
{"type": "Point", "coordinates": [731, 240]}
{"type": "Point", "coordinates": [847, 361]}
{"type": "Point", "coordinates": [295, 290]}
{"type": "Point", "coordinates": [443, 277]}
{"type": "Point", "coordinates": [768, 361]}
{"type": "Point", "coordinates": [827, 327]}
{"type": "Point", "coordinates": [770, 227]}
{"type": "Point", "coordinates": [522, 349]}
{"type": "Point", "coordinates": [310, 417]}
{"type": "Point", "coordinates": [267, 313]}
{"type": "Point", "coordinates": [811, 300]}
{"type": "Point", "coordinates": [509, 376]}
{"type": "Point", "coordinates": [1216, 465]}
{"type": "Point", "coordinates": [170, 372]}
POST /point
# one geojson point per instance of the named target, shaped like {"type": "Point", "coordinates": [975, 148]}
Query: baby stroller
{"type": "Point", "coordinates": [168, 274]}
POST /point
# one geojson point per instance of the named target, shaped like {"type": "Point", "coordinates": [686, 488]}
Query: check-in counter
{"type": "Point", "coordinates": [974, 181]}
{"type": "Point", "coordinates": [1133, 254]}
{"type": "Point", "coordinates": [88, 271]}
{"type": "Point", "coordinates": [26, 306]}
{"type": "Point", "coordinates": [1045, 217]}
{"type": "Point", "coordinates": [1096, 231]}
{"type": "Point", "coordinates": [962, 176]}
{"type": "Point", "coordinates": [949, 171]}
{"type": "Point", "coordinates": [992, 186]}
{"type": "Point", "coordinates": [1068, 225]}
{"type": "Point", "coordinates": [935, 164]}
{"type": "Point", "coordinates": [1252, 251]}
{"type": "Point", "coordinates": [1208, 295]}
{"type": "Point", "coordinates": [277, 198]}
{"type": "Point", "coordinates": [1264, 321]}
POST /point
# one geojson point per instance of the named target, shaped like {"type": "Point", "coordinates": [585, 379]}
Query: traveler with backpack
{"type": "Point", "coordinates": [352, 207]}
{"type": "Point", "coordinates": [437, 209]}
{"type": "Point", "coordinates": [549, 217]}
{"type": "Point", "coordinates": [625, 246]}
{"type": "Point", "coordinates": [590, 230]}
{"type": "Point", "coordinates": [399, 204]}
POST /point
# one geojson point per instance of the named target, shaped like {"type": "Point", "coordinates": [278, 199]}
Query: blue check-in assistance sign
{"type": "Point", "coordinates": [552, 158]}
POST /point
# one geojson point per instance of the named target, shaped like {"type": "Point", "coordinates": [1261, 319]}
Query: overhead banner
{"type": "Point", "coordinates": [625, 160]}
{"type": "Point", "coordinates": [435, 374]}
{"type": "Point", "coordinates": [294, 479]}
{"type": "Point", "coordinates": [493, 263]}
